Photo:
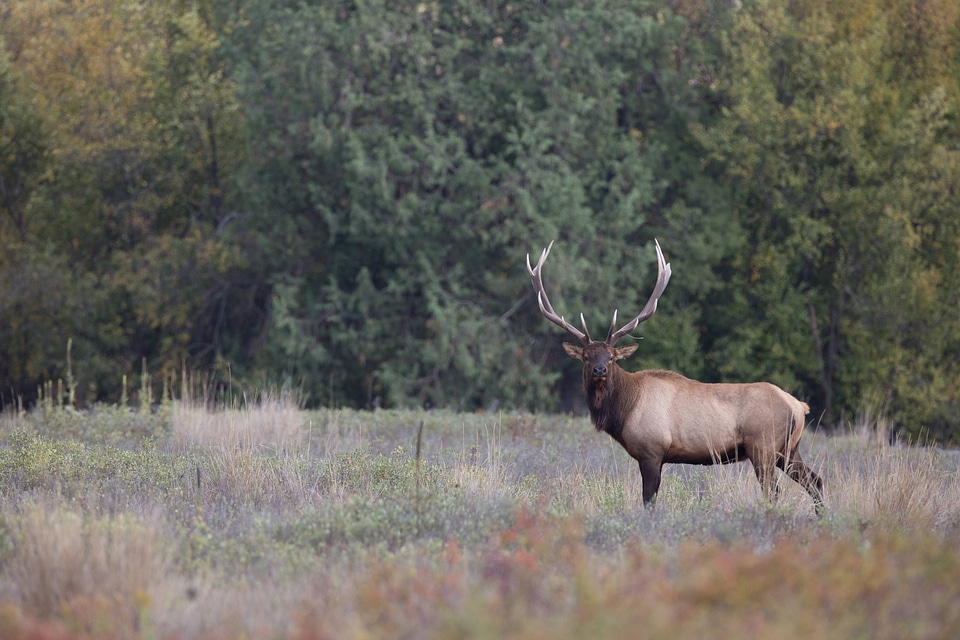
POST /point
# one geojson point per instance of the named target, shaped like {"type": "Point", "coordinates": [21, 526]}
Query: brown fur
{"type": "Point", "coordinates": [663, 417]}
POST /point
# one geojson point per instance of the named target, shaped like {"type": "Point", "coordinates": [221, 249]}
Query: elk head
{"type": "Point", "coordinates": [598, 357]}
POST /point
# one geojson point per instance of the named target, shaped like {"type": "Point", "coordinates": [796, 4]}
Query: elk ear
{"type": "Point", "coordinates": [624, 352]}
{"type": "Point", "coordinates": [573, 351]}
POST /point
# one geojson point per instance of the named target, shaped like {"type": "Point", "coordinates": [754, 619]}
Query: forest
{"type": "Point", "coordinates": [337, 197]}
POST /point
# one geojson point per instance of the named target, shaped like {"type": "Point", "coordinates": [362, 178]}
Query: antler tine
{"type": "Point", "coordinates": [544, 303]}
{"type": "Point", "coordinates": [613, 325]}
{"type": "Point", "coordinates": [663, 277]}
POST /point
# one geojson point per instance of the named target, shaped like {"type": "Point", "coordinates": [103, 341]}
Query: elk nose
{"type": "Point", "coordinates": [599, 371]}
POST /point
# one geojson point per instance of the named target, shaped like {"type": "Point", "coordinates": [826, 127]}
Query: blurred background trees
{"type": "Point", "coordinates": [340, 195]}
{"type": "Point", "coordinates": [120, 131]}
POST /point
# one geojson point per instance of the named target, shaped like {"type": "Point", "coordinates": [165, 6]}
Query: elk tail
{"type": "Point", "coordinates": [800, 412]}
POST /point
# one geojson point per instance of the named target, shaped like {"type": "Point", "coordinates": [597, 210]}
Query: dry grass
{"type": "Point", "coordinates": [537, 580]}
{"type": "Point", "coordinates": [63, 560]}
{"type": "Point", "coordinates": [260, 479]}
{"type": "Point", "coordinates": [322, 524]}
{"type": "Point", "coordinates": [897, 486]}
{"type": "Point", "coordinates": [214, 607]}
{"type": "Point", "coordinates": [479, 466]}
{"type": "Point", "coordinates": [269, 423]}
{"type": "Point", "coordinates": [254, 450]}
{"type": "Point", "coordinates": [335, 436]}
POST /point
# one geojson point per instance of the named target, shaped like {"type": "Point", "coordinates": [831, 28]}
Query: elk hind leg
{"type": "Point", "coordinates": [802, 475]}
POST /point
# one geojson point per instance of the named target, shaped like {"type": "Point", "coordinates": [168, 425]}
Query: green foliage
{"type": "Point", "coordinates": [23, 149]}
{"type": "Point", "coordinates": [34, 463]}
{"type": "Point", "coordinates": [118, 245]}
{"type": "Point", "coordinates": [424, 151]}
{"type": "Point", "coordinates": [840, 168]}
{"type": "Point", "coordinates": [338, 196]}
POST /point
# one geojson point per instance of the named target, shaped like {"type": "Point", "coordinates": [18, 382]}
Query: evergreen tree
{"type": "Point", "coordinates": [410, 154]}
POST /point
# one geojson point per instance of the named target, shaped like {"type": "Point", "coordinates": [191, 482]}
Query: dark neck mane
{"type": "Point", "coordinates": [605, 402]}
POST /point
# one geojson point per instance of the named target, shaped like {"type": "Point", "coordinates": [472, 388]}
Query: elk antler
{"type": "Point", "coordinates": [546, 308]}
{"type": "Point", "coordinates": [663, 277]}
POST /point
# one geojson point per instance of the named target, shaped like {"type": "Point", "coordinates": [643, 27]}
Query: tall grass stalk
{"type": "Point", "coordinates": [871, 423]}
{"type": "Point", "coordinates": [71, 381]}
{"type": "Point", "coordinates": [335, 436]}
{"type": "Point", "coordinates": [146, 389]}
{"type": "Point", "coordinates": [272, 422]}
{"type": "Point", "coordinates": [479, 467]}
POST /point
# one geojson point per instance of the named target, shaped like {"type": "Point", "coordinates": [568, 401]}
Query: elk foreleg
{"type": "Point", "coordinates": [650, 471]}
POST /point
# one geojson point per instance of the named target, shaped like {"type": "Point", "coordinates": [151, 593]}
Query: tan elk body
{"type": "Point", "coordinates": [662, 417]}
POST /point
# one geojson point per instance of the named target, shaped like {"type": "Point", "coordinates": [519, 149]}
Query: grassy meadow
{"type": "Point", "coordinates": [268, 521]}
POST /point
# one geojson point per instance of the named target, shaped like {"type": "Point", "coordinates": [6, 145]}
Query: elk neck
{"type": "Point", "coordinates": [606, 399]}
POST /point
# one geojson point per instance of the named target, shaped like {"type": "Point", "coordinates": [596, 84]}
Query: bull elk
{"type": "Point", "coordinates": [661, 416]}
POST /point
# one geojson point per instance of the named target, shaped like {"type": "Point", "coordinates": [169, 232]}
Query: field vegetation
{"type": "Point", "coordinates": [258, 519]}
